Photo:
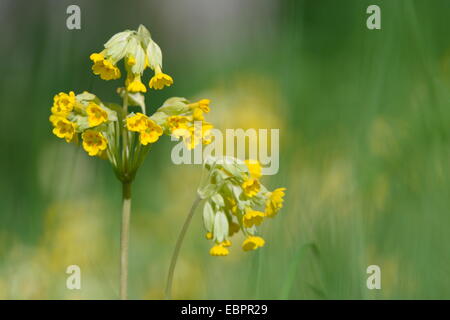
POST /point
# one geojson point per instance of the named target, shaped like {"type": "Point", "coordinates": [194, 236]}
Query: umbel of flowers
{"type": "Point", "coordinates": [236, 201]}
{"type": "Point", "coordinates": [110, 131]}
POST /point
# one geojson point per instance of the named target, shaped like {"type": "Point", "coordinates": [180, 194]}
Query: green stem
{"type": "Point", "coordinates": [176, 251]}
{"type": "Point", "coordinates": [124, 238]}
{"type": "Point", "coordinates": [125, 151]}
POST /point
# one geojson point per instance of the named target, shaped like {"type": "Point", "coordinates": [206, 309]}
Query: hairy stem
{"type": "Point", "coordinates": [124, 238]}
{"type": "Point", "coordinates": [176, 251]}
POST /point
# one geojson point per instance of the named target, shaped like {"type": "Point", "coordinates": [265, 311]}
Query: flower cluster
{"type": "Point", "coordinates": [139, 52]}
{"type": "Point", "coordinates": [183, 119]}
{"type": "Point", "coordinates": [235, 200]}
{"type": "Point", "coordinates": [82, 115]}
{"type": "Point", "coordinates": [109, 130]}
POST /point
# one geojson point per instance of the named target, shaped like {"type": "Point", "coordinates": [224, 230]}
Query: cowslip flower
{"type": "Point", "coordinates": [136, 122]}
{"type": "Point", "coordinates": [93, 142]}
{"type": "Point", "coordinates": [252, 243]}
{"type": "Point", "coordinates": [230, 207]}
{"type": "Point", "coordinates": [274, 202]}
{"type": "Point", "coordinates": [96, 115]}
{"type": "Point", "coordinates": [104, 67]}
{"type": "Point", "coordinates": [63, 128]}
{"type": "Point", "coordinates": [151, 133]}
{"type": "Point", "coordinates": [252, 218]}
{"type": "Point", "coordinates": [251, 187]}
{"type": "Point", "coordinates": [177, 117]}
{"type": "Point", "coordinates": [160, 80]}
{"type": "Point", "coordinates": [219, 250]}
{"type": "Point", "coordinates": [63, 103]}
{"type": "Point", "coordinates": [135, 84]}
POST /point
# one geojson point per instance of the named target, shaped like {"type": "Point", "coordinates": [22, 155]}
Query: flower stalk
{"type": "Point", "coordinates": [124, 239]}
{"type": "Point", "coordinates": [176, 251]}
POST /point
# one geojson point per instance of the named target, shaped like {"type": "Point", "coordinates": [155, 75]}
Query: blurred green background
{"type": "Point", "coordinates": [364, 119]}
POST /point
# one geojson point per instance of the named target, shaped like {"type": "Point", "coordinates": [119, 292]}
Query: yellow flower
{"type": "Point", "coordinates": [96, 115]}
{"type": "Point", "coordinates": [197, 115]}
{"type": "Point", "coordinates": [197, 134]}
{"type": "Point", "coordinates": [233, 228]}
{"type": "Point", "coordinates": [104, 67]}
{"type": "Point", "coordinates": [63, 103]}
{"type": "Point", "coordinates": [63, 128]}
{"type": "Point", "coordinates": [159, 80]}
{"type": "Point", "coordinates": [93, 142]}
{"type": "Point", "coordinates": [178, 125]}
{"type": "Point", "coordinates": [151, 133]}
{"type": "Point", "coordinates": [97, 57]}
{"type": "Point", "coordinates": [251, 187]}
{"type": "Point", "coordinates": [203, 105]}
{"type": "Point", "coordinates": [254, 168]}
{"type": "Point", "coordinates": [218, 250]}
{"type": "Point", "coordinates": [274, 202]}
{"type": "Point", "coordinates": [252, 218]}
{"type": "Point", "coordinates": [209, 235]}
{"type": "Point", "coordinates": [137, 122]}
{"type": "Point", "coordinates": [252, 243]}
{"type": "Point", "coordinates": [136, 85]}
{"type": "Point", "coordinates": [226, 243]}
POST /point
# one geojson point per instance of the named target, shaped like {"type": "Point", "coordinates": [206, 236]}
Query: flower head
{"type": "Point", "coordinates": [96, 115]}
{"type": "Point", "coordinates": [135, 85]}
{"type": "Point", "coordinates": [252, 218]}
{"type": "Point", "coordinates": [274, 202]}
{"type": "Point", "coordinates": [63, 128]}
{"type": "Point", "coordinates": [93, 142]}
{"type": "Point", "coordinates": [137, 122]}
{"type": "Point", "coordinates": [204, 105]}
{"type": "Point", "coordinates": [104, 67]}
{"type": "Point", "coordinates": [178, 125]}
{"type": "Point", "coordinates": [160, 80]}
{"type": "Point", "coordinates": [63, 103]}
{"type": "Point", "coordinates": [254, 168]}
{"type": "Point", "coordinates": [219, 250]}
{"type": "Point", "coordinates": [234, 202]}
{"type": "Point", "coordinates": [252, 243]}
{"type": "Point", "coordinates": [251, 187]}
{"type": "Point", "coordinates": [151, 133]}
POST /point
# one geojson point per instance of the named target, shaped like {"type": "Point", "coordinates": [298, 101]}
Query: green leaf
{"type": "Point", "coordinates": [208, 216]}
{"type": "Point", "coordinates": [220, 226]}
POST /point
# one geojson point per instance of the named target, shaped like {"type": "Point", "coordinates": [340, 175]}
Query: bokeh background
{"type": "Point", "coordinates": [364, 119]}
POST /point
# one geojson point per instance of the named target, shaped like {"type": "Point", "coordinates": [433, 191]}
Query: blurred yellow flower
{"type": "Point", "coordinates": [63, 128]}
{"type": "Point", "coordinates": [209, 235]}
{"type": "Point", "coordinates": [251, 187]}
{"type": "Point", "coordinates": [96, 115]}
{"type": "Point", "coordinates": [252, 243]}
{"type": "Point", "coordinates": [136, 85]}
{"type": "Point", "coordinates": [160, 80]}
{"type": "Point", "coordinates": [104, 68]}
{"type": "Point", "coordinates": [151, 133]}
{"type": "Point", "coordinates": [63, 103]}
{"type": "Point", "coordinates": [254, 168]}
{"type": "Point", "coordinates": [274, 202]}
{"type": "Point", "coordinates": [137, 122]}
{"type": "Point", "coordinates": [252, 218]}
{"type": "Point", "coordinates": [178, 125]}
{"type": "Point", "coordinates": [226, 243]}
{"type": "Point", "coordinates": [218, 250]}
{"type": "Point", "coordinates": [93, 142]}
{"type": "Point", "coordinates": [233, 228]}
